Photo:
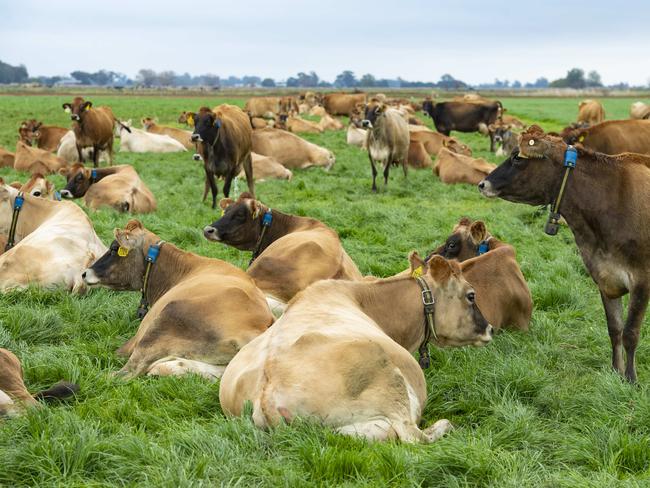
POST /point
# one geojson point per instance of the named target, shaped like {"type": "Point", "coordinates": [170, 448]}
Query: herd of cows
{"type": "Point", "coordinates": [303, 309]}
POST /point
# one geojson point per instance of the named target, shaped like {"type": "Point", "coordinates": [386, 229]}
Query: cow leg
{"type": "Point", "coordinates": [181, 366]}
{"type": "Point", "coordinates": [374, 174]}
{"type": "Point", "coordinates": [386, 171]}
{"type": "Point", "coordinates": [226, 185]}
{"type": "Point", "coordinates": [635, 314]}
{"type": "Point", "coordinates": [209, 177]}
{"type": "Point", "coordinates": [248, 169]}
{"type": "Point", "coordinates": [405, 168]}
{"type": "Point", "coordinates": [614, 315]}
{"type": "Point", "coordinates": [95, 155]}
{"type": "Point", "coordinates": [80, 153]}
{"type": "Point", "coordinates": [491, 141]}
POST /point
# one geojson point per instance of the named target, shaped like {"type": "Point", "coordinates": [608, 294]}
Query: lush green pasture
{"type": "Point", "coordinates": [531, 409]}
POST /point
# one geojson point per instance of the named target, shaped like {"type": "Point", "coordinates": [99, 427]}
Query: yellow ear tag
{"type": "Point", "coordinates": [87, 108]}
{"type": "Point", "coordinates": [190, 120]}
{"type": "Point", "coordinates": [581, 138]}
{"type": "Point", "coordinates": [122, 252]}
{"type": "Point", "coordinates": [223, 212]}
{"type": "Point", "coordinates": [417, 272]}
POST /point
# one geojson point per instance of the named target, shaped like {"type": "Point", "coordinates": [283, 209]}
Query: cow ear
{"type": "Point", "coordinates": [440, 269]}
{"type": "Point", "coordinates": [16, 184]}
{"type": "Point", "coordinates": [143, 121]}
{"type": "Point", "coordinates": [67, 107]}
{"type": "Point", "coordinates": [190, 118]}
{"type": "Point", "coordinates": [255, 208]}
{"type": "Point", "coordinates": [134, 224]}
{"type": "Point", "coordinates": [445, 143]}
{"type": "Point", "coordinates": [478, 231]}
{"type": "Point", "coordinates": [87, 105]}
{"type": "Point", "coordinates": [224, 203]}
{"type": "Point", "coordinates": [418, 266]}
{"type": "Point", "coordinates": [64, 171]}
{"type": "Point", "coordinates": [131, 237]}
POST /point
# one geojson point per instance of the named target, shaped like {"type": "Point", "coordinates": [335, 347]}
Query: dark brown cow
{"type": "Point", "coordinates": [606, 206]}
{"type": "Point", "coordinates": [342, 103]}
{"type": "Point", "coordinates": [93, 127]}
{"type": "Point", "coordinates": [47, 137]}
{"type": "Point", "coordinates": [613, 136]}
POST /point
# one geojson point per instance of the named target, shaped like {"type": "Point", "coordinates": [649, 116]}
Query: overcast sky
{"type": "Point", "coordinates": [475, 41]}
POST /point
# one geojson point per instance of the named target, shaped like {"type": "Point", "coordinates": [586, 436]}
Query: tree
{"type": "Point", "coordinates": [13, 74]}
{"type": "Point", "coordinates": [146, 77]}
{"type": "Point", "coordinates": [448, 82]}
{"type": "Point", "coordinates": [593, 79]}
{"type": "Point", "coordinates": [268, 82]}
{"type": "Point", "coordinates": [575, 78]}
{"type": "Point", "coordinates": [346, 80]}
{"type": "Point", "coordinates": [368, 80]}
{"type": "Point", "coordinates": [166, 78]}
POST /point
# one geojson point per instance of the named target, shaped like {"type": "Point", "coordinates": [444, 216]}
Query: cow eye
{"type": "Point", "coordinates": [471, 296]}
{"type": "Point", "coordinates": [79, 177]}
{"type": "Point", "coordinates": [451, 245]}
{"type": "Point", "coordinates": [37, 193]}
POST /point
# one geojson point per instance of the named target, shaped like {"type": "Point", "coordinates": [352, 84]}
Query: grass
{"type": "Point", "coordinates": [531, 409]}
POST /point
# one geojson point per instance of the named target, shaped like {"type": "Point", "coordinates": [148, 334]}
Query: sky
{"type": "Point", "coordinates": [475, 41]}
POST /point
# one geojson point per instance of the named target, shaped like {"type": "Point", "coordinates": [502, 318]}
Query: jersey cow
{"type": "Point", "coordinates": [433, 142]}
{"type": "Point", "coordinates": [93, 127]}
{"type": "Point", "coordinates": [342, 103]}
{"type": "Point", "coordinates": [140, 141]}
{"type": "Point", "coordinates": [613, 136]}
{"type": "Point", "coordinates": [7, 158]}
{"type": "Point", "coordinates": [180, 135]}
{"type": "Point", "coordinates": [639, 110]}
{"type": "Point", "coordinates": [290, 150]}
{"type": "Point", "coordinates": [454, 168]}
{"type": "Point", "coordinates": [47, 137]}
{"type": "Point", "coordinates": [590, 112]}
{"type": "Point", "coordinates": [35, 160]}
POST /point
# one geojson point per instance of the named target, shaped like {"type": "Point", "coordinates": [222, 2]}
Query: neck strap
{"type": "Point", "coordinates": [267, 220]}
{"type": "Point", "coordinates": [484, 246]}
{"type": "Point", "coordinates": [152, 256]}
{"type": "Point", "coordinates": [429, 323]}
{"type": "Point", "coordinates": [570, 160]}
{"type": "Point", "coordinates": [18, 205]}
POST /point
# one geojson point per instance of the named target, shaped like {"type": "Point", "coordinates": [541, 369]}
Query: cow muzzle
{"type": "Point", "coordinates": [196, 157]}
{"type": "Point", "coordinates": [211, 233]}
{"type": "Point", "coordinates": [75, 117]}
{"type": "Point", "coordinates": [89, 277]}
{"type": "Point", "coordinates": [486, 189]}
{"type": "Point", "coordinates": [66, 194]}
{"type": "Point", "coordinates": [196, 138]}
{"type": "Point", "coordinates": [366, 123]}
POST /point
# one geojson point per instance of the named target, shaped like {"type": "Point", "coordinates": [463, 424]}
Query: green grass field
{"type": "Point", "coordinates": [531, 409]}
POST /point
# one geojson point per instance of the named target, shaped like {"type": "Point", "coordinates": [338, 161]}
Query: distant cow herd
{"type": "Point", "coordinates": [302, 309]}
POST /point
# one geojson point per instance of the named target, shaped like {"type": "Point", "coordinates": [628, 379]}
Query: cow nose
{"type": "Point", "coordinates": [74, 117]}
{"type": "Point", "coordinates": [365, 123]}
{"type": "Point", "coordinates": [196, 157]}
{"type": "Point", "coordinates": [66, 194]}
{"type": "Point", "coordinates": [211, 233]}
{"type": "Point", "coordinates": [481, 185]}
{"type": "Point", "coordinates": [490, 330]}
{"type": "Point", "coordinates": [83, 275]}
{"type": "Point", "coordinates": [196, 138]}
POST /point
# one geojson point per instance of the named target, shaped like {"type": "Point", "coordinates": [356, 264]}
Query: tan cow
{"type": "Point", "coordinates": [288, 105]}
{"type": "Point", "coordinates": [38, 186]}
{"type": "Point", "coordinates": [260, 123]}
{"type": "Point", "coordinates": [310, 98]}
{"type": "Point", "coordinates": [67, 150]}
{"type": "Point", "coordinates": [6, 158]}
{"type": "Point", "coordinates": [613, 136]}
{"type": "Point", "coordinates": [356, 136]}
{"type": "Point", "coordinates": [418, 156]}
{"type": "Point", "coordinates": [433, 142]}
{"type": "Point", "coordinates": [266, 107]}
{"type": "Point", "coordinates": [54, 243]}
{"type": "Point", "coordinates": [47, 137]}
{"type": "Point", "coordinates": [639, 110]}
{"type": "Point", "coordinates": [297, 125]}
{"type": "Point", "coordinates": [341, 354]}
{"type": "Point", "coordinates": [14, 397]}
{"type": "Point", "coordinates": [118, 187]}
{"type": "Point", "coordinates": [93, 127]}
{"type": "Point", "coordinates": [182, 136]}
{"type": "Point", "coordinates": [327, 122]}
{"type": "Point", "coordinates": [342, 103]}
{"type": "Point", "coordinates": [591, 112]}
{"type": "Point", "coordinates": [35, 160]}
{"type": "Point", "coordinates": [318, 111]}
{"type": "Point", "coordinates": [457, 168]}
{"type": "Point", "coordinates": [511, 120]}
{"type": "Point", "coordinates": [202, 310]}
{"type": "Point", "coordinates": [265, 168]}
{"type": "Point", "coordinates": [290, 255]}
{"type": "Point", "coordinates": [290, 150]}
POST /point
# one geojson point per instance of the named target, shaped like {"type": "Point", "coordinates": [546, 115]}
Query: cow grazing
{"type": "Point", "coordinates": [34, 160]}
{"type": "Point", "coordinates": [93, 127]}
{"type": "Point", "coordinates": [140, 141]}
{"type": "Point", "coordinates": [201, 311]}
{"type": "Point", "coordinates": [327, 122]}
{"type": "Point", "coordinates": [418, 156]}
{"type": "Point", "coordinates": [341, 353]}
{"type": "Point", "coordinates": [342, 103]}
{"type": "Point", "coordinates": [355, 136]}
{"type": "Point", "coordinates": [463, 116]}
{"type": "Point", "coordinates": [454, 168]}
{"type": "Point", "coordinates": [591, 112]}
{"type": "Point", "coordinates": [491, 267]}
{"type": "Point", "coordinates": [613, 136]}
{"type": "Point", "coordinates": [14, 396]}
{"type": "Point", "coordinates": [267, 107]}
{"type": "Point", "coordinates": [610, 227]}
{"type": "Point", "coordinates": [289, 252]}
{"type": "Point", "coordinates": [225, 134]}
{"type": "Point", "coordinates": [388, 139]}
{"type": "Point", "coordinates": [433, 142]}
{"type": "Point", "coordinates": [118, 187]}
{"type": "Point", "coordinates": [6, 158]}
{"type": "Point", "coordinates": [265, 168]}
{"type": "Point", "coordinates": [47, 137]}
{"type": "Point", "coordinates": [290, 150]}
{"type": "Point", "coordinates": [54, 242]}
{"type": "Point", "coordinates": [639, 110]}
{"type": "Point", "coordinates": [182, 136]}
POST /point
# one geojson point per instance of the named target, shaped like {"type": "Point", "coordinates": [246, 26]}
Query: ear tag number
{"type": "Point", "coordinates": [122, 252]}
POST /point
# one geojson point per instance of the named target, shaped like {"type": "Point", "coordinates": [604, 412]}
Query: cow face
{"type": "Point", "coordinates": [186, 118]}
{"type": "Point", "coordinates": [239, 226]}
{"type": "Point", "coordinates": [373, 112]}
{"type": "Point", "coordinates": [79, 180]}
{"type": "Point", "coordinates": [26, 131]}
{"type": "Point", "coordinates": [148, 123]}
{"type": "Point", "coordinates": [464, 241]}
{"type": "Point", "coordinates": [123, 265]}
{"type": "Point", "coordinates": [458, 321]}
{"type": "Point", "coordinates": [357, 115]}
{"type": "Point", "coordinates": [206, 126]}
{"type": "Point", "coordinates": [38, 186]}
{"type": "Point", "coordinates": [455, 146]}
{"type": "Point", "coordinates": [281, 121]}
{"type": "Point", "coordinates": [427, 107]}
{"type": "Point", "coordinates": [77, 108]}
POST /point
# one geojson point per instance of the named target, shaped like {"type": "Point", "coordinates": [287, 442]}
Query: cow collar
{"type": "Point", "coordinates": [429, 303]}
{"type": "Point", "coordinates": [18, 205]}
{"type": "Point", "coordinates": [570, 160]}
{"type": "Point", "coordinates": [267, 220]}
{"type": "Point", "coordinates": [484, 246]}
{"type": "Point", "coordinates": [152, 256]}
{"type": "Point", "coordinates": [93, 176]}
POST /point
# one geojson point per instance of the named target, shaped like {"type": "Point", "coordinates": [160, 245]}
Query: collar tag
{"type": "Point", "coordinates": [93, 174]}
{"type": "Point", "coordinates": [18, 202]}
{"type": "Point", "coordinates": [570, 157]}
{"type": "Point", "coordinates": [152, 253]}
{"type": "Point", "coordinates": [483, 247]}
{"type": "Point", "coordinates": [268, 218]}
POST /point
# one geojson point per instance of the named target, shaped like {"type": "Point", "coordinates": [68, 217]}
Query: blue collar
{"type": "Point", "coordinates": [268, 218]}
{"type": "Point", "coordinates": [484, 246]}
{"type": "Point", "coordinates": [57, 196]}
{"type": "Point", "coordinates": [93, 175]}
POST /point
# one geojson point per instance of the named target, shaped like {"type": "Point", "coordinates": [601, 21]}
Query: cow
{"type": "Point", "coordinates": [260, 123]}
{"type": "Point", "coordinates": [35, 160]}
{"type": "Point", "coordinates": [225, 134]}
{"type": "Point", "coordinates": [591, 112]}
{"type": "Point", "coordinates": [289, 252]}
{"type": "Point", "coordinates": [265, 168]}
{"type": "Point", "coordinates": [341, 353]}
{"type": "Point", "coordinates": [14, 396]}
{"type": "Point", "coordinates": [310, 98]}
{"type": "Point", "coordinates": [434, 141]}
{"type": "Point", "coordinates": [613, 136]}
{"type": "Point", "coordinates": [182, 136]}
{"type": "Point", "coordinates": [288, 105]}
{"type": "Point", "coordinates": [604, 202]}
{"type": "Point", "coordinates": [463, 116]}
{"type": "Point", "coordinates": [327, 122]}
{"type": "Point", "coordinates": [67, 150]}
{"type": "Point", "coordinates": [471, 98]}
{"type": "Point", "coordinates": [46, 137]}
{"type": "Point", "coordinates": [183, 119]}
{"type": "Point", "coordinates": [490, 266]}
{"type": "Point", "coordinates": [418, 157]}
{"type": "Point", "coordinates": [290, 150]}
{"type": "Point", "coordinates": [511, 120]}
{"type": "Point", "coordinates": [118, 187]}
{"type": "Point", "coordinates": [140, 141]}
{"type": "Point", "coordinates": [505, 138]}
{"type": "Point", "coordinates": [454, 168]}
{"type": "Point", "coordinates": [38, 186]}
{"type": "Point", "coordinates": [639, 110]}
{"type": "Point", "coordinates": [267, 107]}
{"type": "Point", "coordinates": [53, 242]}
{"type": "Point", "coordinates": [356, 136]}
{"type": "Point", "coordinates": [317, 111]}
{"type": "Point", "coordinates": [198, 312]}
{"type": "Point", "coordinates": [388, 139]}
{"type": "Point", "coordinates": [297, 124]}
{"type": "Point", "coordinates": [93, 127]}
{"type": "Point", "coordinates": [342, 103]}
{"type": "Point", "coordinates": [6, 158]}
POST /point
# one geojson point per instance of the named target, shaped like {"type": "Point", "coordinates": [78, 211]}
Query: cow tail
{"type": "Point", "coordinates": [59, 391]}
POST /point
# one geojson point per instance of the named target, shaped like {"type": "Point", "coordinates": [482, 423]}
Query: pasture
{"type": "Point", "coordinates": [531, 409]}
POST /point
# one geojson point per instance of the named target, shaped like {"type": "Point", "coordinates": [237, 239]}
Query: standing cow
{"type": "Point", "coordinates": [591, 112]}
{"type": "Point", "coordinates": [93, 127]}
{"type": "Point", "coordinates": [388, 139]}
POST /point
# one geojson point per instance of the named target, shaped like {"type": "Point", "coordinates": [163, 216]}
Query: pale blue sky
{"type": "Point", "coordinates": [476, 41]}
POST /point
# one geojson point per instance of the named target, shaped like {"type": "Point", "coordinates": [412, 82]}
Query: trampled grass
{"type": "Point", "coordinates": [531, 409]}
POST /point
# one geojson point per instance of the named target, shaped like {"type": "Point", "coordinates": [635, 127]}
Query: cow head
{"type": "Point", "coordinates": [186, 118]}
{"type": "Point", "coordinates": [427, 106]}
{"type": "Point", "coordinates": [239, 226]}
{"type": "Point", "coordinates": [455, 146]}
{"type": "Point", "coordinates": [78, 179]}
{"type": "Point", "coordinates": [281, 121]}
{"type": "Point", "coordinates": [206, 125]}
{"type": "Point", "coordinates": [575, 132]}
{"type": "Point", "coordinates": [38, 186]}
{"type": "Point", "coordinates": [147, 123]}
{"type": "Point", "coordinates": [374, 110]}
{"type": "Point", "coordinates": [26, 131]}
{"type": "Point", "coordinates": [122, 266]}
{"type": "Point", "coordinates": [77, 108]}
{"type": "Point", "coordinates": [458, 321]}
{"type": "Point", "coordinates": [357, 114]}
{"type": "Point", "coordinates": [464, 241]}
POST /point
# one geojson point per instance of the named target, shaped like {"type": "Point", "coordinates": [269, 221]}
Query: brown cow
{"type": "Point", "coordinates": [297, 124]}
{"type": "Point", "coordinates": [288, 105]}
{"type": "Point", "coordinates": [182, 136]}
{"type": "Point", "coordinates": [639, 110]}
{"type": "Point", "coordinates": [119, 187]}
{"type": "Point", "coordinates": [34, 160]}
{"type": "Point", "coordinates": [418, 156]}
{"type": "Point", "coordinates": [14, 397]}
{"type": "Point", "coordinates": [317, 111]}
{"type": "Point", "coordinates": [6, 158]}
{"type": "Point", "coordinates": [38, 186]}
{"type": "Point", "coordinates": [327, 122]}
{"type": "Point", "coordinates": [202, 311]}
{"type": "Point", "coordinates": [591, 112]}
{"type": "Point", "coordinates": [265, 168]}
{"type": "Point", "coordinates": [289, 255]}
{"type": "Point", "coordinates": [456, 168]}
{"type": "Point", "coordinates": [93, 127]}
{"type": "Point", "coordinates": [46, 137]}
{"type": "Point", "coordinates": [290, 150]}
{"type": "Point", "coordinates": [613, 136]}
{"type": "Point", "coordinates": [266, 107]}
{"type": "Point", "coordinates": [606, 206]}
{"type": "Point", "coordinates": [433, 142]}
{"type": "Point", "coordinates": [342, 103]}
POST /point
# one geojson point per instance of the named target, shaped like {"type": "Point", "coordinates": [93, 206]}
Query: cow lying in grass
{"type": "Point", "coordinates": [454, 168]}
{"type": "Point", "coordinates": [35, 160]}
{"type": "Point", "coordinates": [290, 150]}
{"type": "Point", "coordinates": [119, 187]}
{"type": "Point", "coordinates": [341, 354]}
{"type": "Point", "coordinates": [289, 254]}
{"type": "Point", "coordinates": [37, 186]}
{"type": "Point", "coordinates": [54, 242]}
{"type": "Point", "coordinates": [202, 310]}
{"type": "Point", "coordinates": [14, 397]}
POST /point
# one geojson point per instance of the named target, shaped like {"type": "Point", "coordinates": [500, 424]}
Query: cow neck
{"type": "Point", "coordinates": [34, 212]}
{"type": "Point", "coordinates": [100, 173]}
{"type": "Point", "coordinates": [281, 225]}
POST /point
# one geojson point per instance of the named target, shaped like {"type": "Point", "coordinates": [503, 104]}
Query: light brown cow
{"type": "Point", "coordinates": [290, 150]}
{"type": "Point", "coordinates": [511, 120]}
{"type": "Point", "coordinates": [182, 136]}
{"type": "Point", "coordinates": [639, 110]}
{"type": "Point", "coordinates": [298, 125]}
{"type": "Point", "coordinates": [46, 137]}
{"type": "Point", "coordinates": [118, 187]}
{"type": "Point", "coordinates": [14, 397]}
{"type": "Point", "coordinates": [35, 160]}
{"type": "Point", "coordinates": [614, 137]}
{"type": "Point", "coordinates": [357, 136]}
{"type": "Point", "coordinates": [288, 105]}
{"type": "Point", "coordinates": [327, 122]}
{"type": "Point", "coordinates": [266, 107]}
{"type": "Point", "coordinates": [591, 112]}
{"type": "Point", "coordinates": [471, 98]}
{"type": "Point", "coordinates": [342, 103]}
{"type": "Point", "coordinates": [310, 98]}
{"type": "Point", "coordinates": [260, 123]}
{"type": "Point", "coordinates": [341, 354]}
{"type": "Point", "coordinates": [38, 186]}
{"type": "Point", "coordinates": [418, 156]}
{"type": "Point", "coordinates": [290, 255]}
{"type": "Point", "coordinates": [435, 141]}
{"type": "Point", "coordinates": [93, 127]}
{"type": "Point", "coordinates": [265, 168]}
{"type": "Point", "coordinates": [318, 111]}
{"type": "Point", "coordinates": [202, 310]}
{"type": "Point", "coordinates": [6, 158]}
{"type": "Point", "coordinates": [457, 168]}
